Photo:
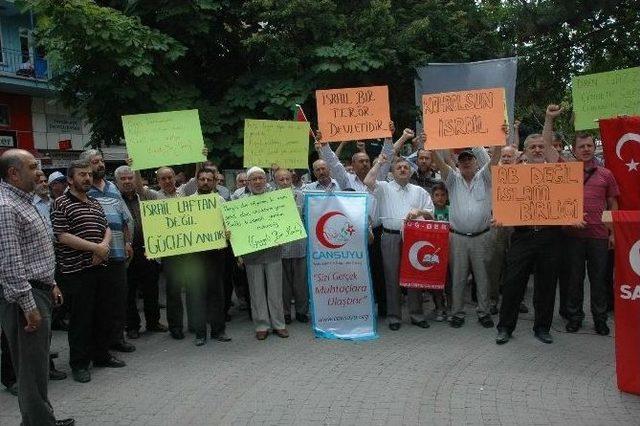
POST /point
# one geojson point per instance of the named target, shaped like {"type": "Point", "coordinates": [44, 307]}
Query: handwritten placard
{"type": "Point", "coordinates": [605, 95]}
{"type": "Point", "coordinates": [464, 119]}
{"type": "Point", "coordinates": [164, 138]}
{"type": "Point", "coordinates": [182, 225]}
{"type": "Point", "coordinates": [285, 143]}
{"type": "Point", "coordinates": [354, 113]}
{"type": "Point", "coordinates": [538, 194]}
{"type": "Point", "coordinates": [262, 221]}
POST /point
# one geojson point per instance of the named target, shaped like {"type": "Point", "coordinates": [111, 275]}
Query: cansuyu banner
{"type": "Point", "coordinates": [338, 266]}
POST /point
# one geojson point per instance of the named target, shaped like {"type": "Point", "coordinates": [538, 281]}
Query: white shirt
{"type": "Point", "coordinates": [470, 203]}
{"type": "Point", "coordinates": [395, 202]}
{"type": "Point", "coordinates": [317, 186]}
{"type": "Point", "coordinates": [351, 181]}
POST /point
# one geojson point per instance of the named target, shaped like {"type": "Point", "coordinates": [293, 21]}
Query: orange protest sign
{"type": "Point", "coordinates": [538, 194]}
{"type": "Point", "coordinates": [463, 119]}
{"type": "Point", "coordinates": [353, 114]}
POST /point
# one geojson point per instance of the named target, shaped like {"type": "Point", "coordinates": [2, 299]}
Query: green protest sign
{"type": "Point", "coordinates": [182, 225]}
{"type": "Point", "coordinates": [262, 221]}
{"type": "Point", "coordinates": [285, 143]}
{"type": "Point", "coordinates": [164, 138]}
{"type": "Point", "coordinates": [605, 95]}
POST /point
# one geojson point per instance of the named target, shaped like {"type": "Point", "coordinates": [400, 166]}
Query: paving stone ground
{"type": "Point", "coordinates": [438, 376]}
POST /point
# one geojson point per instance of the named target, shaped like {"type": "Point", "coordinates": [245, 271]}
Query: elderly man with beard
{"type": "Point", "coordinates": [205, 289]}
{"type": "Point", "coordinates": [470, 218]}
{"type": "Point", "coordinates": [398, 200]}
{"type": "Point", "coordinates": [27, 286]}
{"type": "Point", "coordinates": [122, 227]}
{"type": "Point", "coordinates": [142, 273]}
{"type": "Point", "coordinates": [533, 249]}
{"type": "Point", "coordinates": [294, 265]}
{"type": "Point", "coordinates": [264, 273]}
{"type": "Point", "coordinates": [82, 251]}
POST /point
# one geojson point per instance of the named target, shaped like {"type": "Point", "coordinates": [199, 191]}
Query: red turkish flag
{"type": "Point", "coordinates": [621, 146]}
{"type": "Point", "coordinates": [626, 226]}
{"type": "Point", "coordinates": [425, 254]}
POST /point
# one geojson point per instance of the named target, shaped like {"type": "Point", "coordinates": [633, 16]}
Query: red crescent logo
{"type": "Point", "coordinates": [321, 233]}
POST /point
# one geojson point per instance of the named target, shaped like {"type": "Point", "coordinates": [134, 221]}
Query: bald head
{"type": "Point", "coordinates": [321, 172]}
{"type": "Point", "coordinates": [18, 168]}
{"type": "Point", "coordinates": [508, 155]}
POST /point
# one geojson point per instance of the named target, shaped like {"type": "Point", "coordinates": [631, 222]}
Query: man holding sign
{"type": "Point", "coordinates": [533, 249]}
{"type": "Point", "coordinates": [264, 273]}
{"type": "Point", "coordinates": [398, 200]}
{"type": "Point", "coordinates": [205, 291]}
{"type": "Point", "coordinates": [469, 189]}
{"type": "Point", "coordinates": [166, 177]}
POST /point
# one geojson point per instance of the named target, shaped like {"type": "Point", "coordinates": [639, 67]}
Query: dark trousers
{"type": "Point", "coordinates": [176, 270]}
{"type": "Point", "coordinates": [227, 279]}
{"type": "Point", "coordinates": [30, 356]}
{"type": "Point", "coordinates": [594, 252]}
{"type": "Point", "coordinates": [240, 283]}
{"type": "Point", "coordinates": [377, 271]}
{"type": "Point", "coordinates": [90, 321]}
{"type": "Point", "coordinates": [7, 374]}
{"type": "Point", "coordinates": [537, 252]}
{"type": "Point", "coordinates": [116, 272]}
{"type": "Point", "coordinates": [142, 275]}
{"type": "Point", "coordinates": [205, 291]}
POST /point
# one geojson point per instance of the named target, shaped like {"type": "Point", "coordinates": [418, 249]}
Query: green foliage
{"type": "Point", "coordinates": [257, 58]}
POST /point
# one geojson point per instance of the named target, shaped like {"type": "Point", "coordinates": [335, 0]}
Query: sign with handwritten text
{"type": "Point", "coordinates": [262, 221]}
{"type": "Point", "coordinates": [538, 194]}
{"type": "Point", "coordinates": [182, 225]}
{"type": "Point", "coordinates": [285, 143]}
{"type": "Point", "coordinates": [354, 113]}
{"type": "Point", "coordinates": [163, 138]}
{"type": "Point", "coordinates": [464, 119]}
{"type": "Point", "coordinates": [605, 95]}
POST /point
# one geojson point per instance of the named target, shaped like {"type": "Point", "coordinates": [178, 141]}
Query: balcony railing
{"type": "Point", "coordinates": [24, 65]}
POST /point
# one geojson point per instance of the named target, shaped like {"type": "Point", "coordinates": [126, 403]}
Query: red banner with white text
{"type": "Point", "coordinates": [621, 146]}
{"type": "Point", "coordinates": [626, 225]}
{"type": "Point", "coordinates": [425, 254]}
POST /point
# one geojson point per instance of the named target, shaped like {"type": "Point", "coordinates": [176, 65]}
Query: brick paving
{"type": "Point", "coordinates": [437, 376]}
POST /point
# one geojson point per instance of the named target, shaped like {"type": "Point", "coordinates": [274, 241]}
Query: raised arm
{"type": "Point", "coordinates": [550, 153]}
{"type": "Point", "coordinates": [338, 172]}
{"type": "Point", "coordinates": [516, 134]}
{"type": "Point", "coordinates": [371, 179]}
{"type": "Point", "coordinates": [439, 163]}
{"type": "Point", "coordinates": [340, 148]}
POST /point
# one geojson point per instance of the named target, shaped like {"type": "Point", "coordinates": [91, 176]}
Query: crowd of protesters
{"type": "Point", "coordinates": [73, 253]}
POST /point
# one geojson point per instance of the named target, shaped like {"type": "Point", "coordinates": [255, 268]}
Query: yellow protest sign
{"type": "Point", "coordinates": [538, 194]}
{"type": "Point", "coordinates": [182, 225]}
{"type": "Point", "coordinates": [605, 95]}
{"type": "Point", "coordinates": [262, 221]}
{"type": "Point", "coordinates": [163, 138]}
{"type": "Point", "coordinates": [285, 143]}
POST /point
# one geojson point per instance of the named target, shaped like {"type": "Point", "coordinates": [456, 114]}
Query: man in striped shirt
{"type": "Point", "coordinates": [121, 225]}
{"type": "Point", "coordinates": [82, 252]}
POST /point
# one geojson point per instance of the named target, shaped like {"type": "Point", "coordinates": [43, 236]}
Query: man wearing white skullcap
{"type": "Point", "coordinates": [264, 274]}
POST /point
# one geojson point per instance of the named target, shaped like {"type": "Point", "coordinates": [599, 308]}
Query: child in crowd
{"type": "Point", "coordinates": [440, 198]}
